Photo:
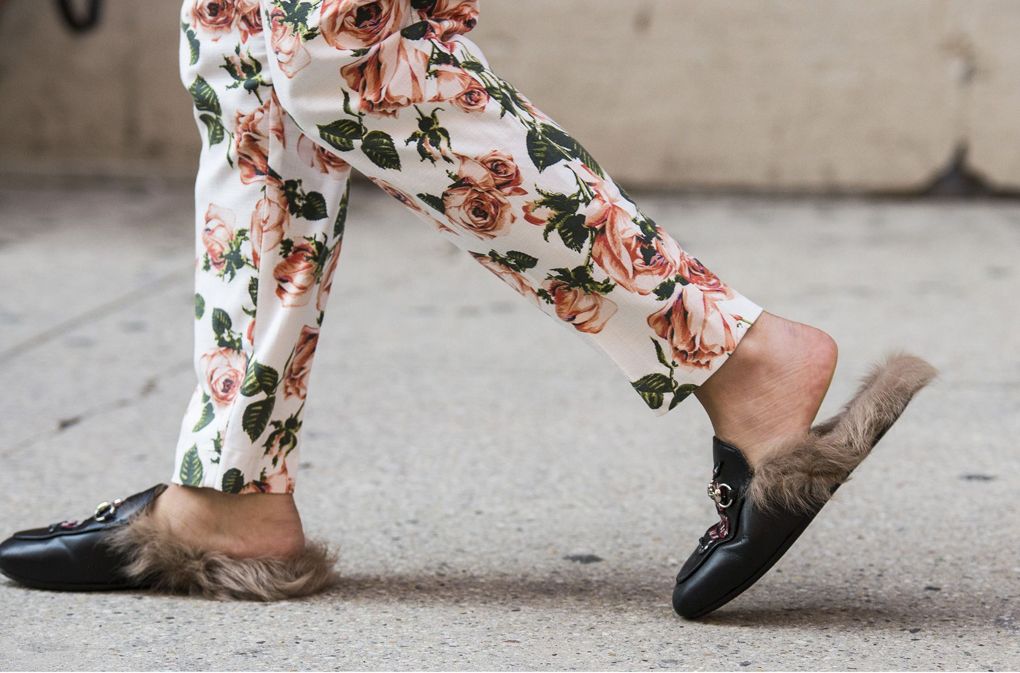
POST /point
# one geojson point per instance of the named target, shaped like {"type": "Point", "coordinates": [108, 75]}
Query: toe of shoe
{"type": "Point", "coordinates": [694, 598]}
{"type": "Point", "coordinates": [11, 560]}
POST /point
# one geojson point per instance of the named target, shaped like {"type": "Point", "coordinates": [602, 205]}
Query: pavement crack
{"type": "Point", "coordinates": [92, 315]}
{"type": "Point", "coordinates": [77, 419]}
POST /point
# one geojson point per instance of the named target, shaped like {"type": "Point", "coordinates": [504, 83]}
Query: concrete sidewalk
{"type": "Point", "coordinates": [461, 447]}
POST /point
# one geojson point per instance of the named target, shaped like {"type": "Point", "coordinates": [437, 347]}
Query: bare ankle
{"type": "Point", "coordinates": [772, 385]}
{"type": "Point", "coordinates": [238, 525]}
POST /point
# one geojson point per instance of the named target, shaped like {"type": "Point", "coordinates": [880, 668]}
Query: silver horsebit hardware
{"type": "Point", "coordinates": [722, 494]}
{"type": "Point", "coordinates": [105, 510]}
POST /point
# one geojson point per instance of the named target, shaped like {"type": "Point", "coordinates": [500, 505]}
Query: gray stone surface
{"type": "Point", "coordinates": [460, 444]}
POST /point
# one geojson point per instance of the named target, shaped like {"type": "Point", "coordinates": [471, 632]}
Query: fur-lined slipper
{"type": "Point", "coordinates": [122, 547]}
{"type": "Point", "coordinates": [763, 511]}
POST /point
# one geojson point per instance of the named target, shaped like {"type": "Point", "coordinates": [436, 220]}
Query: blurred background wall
{"type": "Point", "coordinates": [737, 95]}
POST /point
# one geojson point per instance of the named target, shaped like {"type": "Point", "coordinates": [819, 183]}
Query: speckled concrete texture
{"type": "Point", "coordinates": [462, 448]}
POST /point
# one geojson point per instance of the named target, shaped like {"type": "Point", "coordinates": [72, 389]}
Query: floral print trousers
{"type": "Point", "coordinates": [289, 96]}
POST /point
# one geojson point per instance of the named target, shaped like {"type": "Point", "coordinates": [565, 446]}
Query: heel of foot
{"type": "Point", "coordinates": [801, 474]}
{"type": "Point", "coordinates": [158, 560]}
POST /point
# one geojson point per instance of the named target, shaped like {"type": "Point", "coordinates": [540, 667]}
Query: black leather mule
{"type": "Point", "coordinates": [73, 555]}
{"type": "Point", "coordinates": [763, 511]}
{"type": "Point", "coordinates": [121, 547]}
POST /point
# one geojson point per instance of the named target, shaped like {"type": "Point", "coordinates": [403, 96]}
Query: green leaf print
{"type": "Point", "coordinates": [296, 13]}
{"type": "Point", "coordinates": [654, 382]}
{"type": "Point", "coordinates": [652, 399]}
{"type": "Point", "coordinates": [569, 145]}
{"type": "Point", "coordinates": [214, 128]}
{"type": "Point", "coordinates": [309, 205]}
{"type": "Point", "coordinates": [260, 377]}
{"type": "Point", "coordinates": [193, 44]}
{"type": "Point", "coordinates": [341, 214]}
{"type": "Point", "coordinates": [220, 322]}
{"type": "Point", "coordinates": [581, 278]}
{"type": "Point", "coordinates": [253, 290]}
{"type": "Point", "coordinates": [314, 207]}
{"type": "Point", "coordinates": [652, 388]}
{"type": "Point", "coordinates": [433, 201]}
{"type": "Point", "coordinates": [378, 146]}
{"type": "Point", "coordinates": [233, 481]}
{"type": "Point", "coordinates": [513, 259]}
{"type": "Point", "coordinates": [648, 229]}
{"type": "Point", "coordinates": [206, 417]}
{"type": "Point", "coordinates": [542, 151]}
{"type": "Point", "coordinates": [217, 445]}
{"type": "Point", "coordinates": [521, 261]}
{"type": "Point", "coordinates": [256, 417]}
{"type": "Point", "coordinates": [415, 31]}
{"type": "Point", "coordinates": [582, 155]}
{"type": "Point", "coordinates": [199, 306]}
{"type": "Point", "coordinates": [342, 133]}
{"type": "Point", "coordinates": [204, 96]}
{"type": "Point", "coordinates": [664, 290]}
{"type": "Point", "coordinates": [681, 393]}
{"type": "Point", "coordinates": [572, 231]}
{"type": "Point", "coordinates": [558, 136]}
{"type": "Point", "coordinates": [660, 354]}
{"type": "Point", "coordinates": [191, 468]}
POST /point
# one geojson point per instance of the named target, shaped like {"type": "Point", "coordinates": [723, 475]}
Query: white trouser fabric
{"type": "Point", "coordinates": [290, 95]}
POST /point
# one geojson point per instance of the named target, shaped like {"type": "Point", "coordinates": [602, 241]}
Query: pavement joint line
{"type": "Point", "coordinates": [111, 307]}
{"type": "Point", "coordinates": [67, 422]}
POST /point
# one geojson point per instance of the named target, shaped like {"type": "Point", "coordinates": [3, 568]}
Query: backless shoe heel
{"type": "Point", "coordinates": [121, 546]}
{"type": "Point", "coordinates": [763, 511]}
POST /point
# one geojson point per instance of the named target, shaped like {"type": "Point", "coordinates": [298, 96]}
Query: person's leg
{"type": "Point", "coordinates": [395, 89]}
{"type": "Point", "coordinates": [270, 215]}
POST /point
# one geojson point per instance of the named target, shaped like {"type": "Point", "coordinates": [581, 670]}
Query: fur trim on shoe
{"type": "Point", "coordinates": [162, 563]}
{"type": "Point", "coordinates": [801, 475]}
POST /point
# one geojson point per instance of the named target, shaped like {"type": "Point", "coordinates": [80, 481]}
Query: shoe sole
{"type": "Point", "coordinates": [57, 586]}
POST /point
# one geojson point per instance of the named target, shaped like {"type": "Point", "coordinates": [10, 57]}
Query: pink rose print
{"type": "Point", "coordinates": [495, 170]}
{"type": "Point", "coordinates": [620, 248]}
{"type": "Point", "coordinates": [218, 234]}
{"type": "Point", "coordinates": [251, 139]}
{"type": "Point", "coordinates": [695, 272]}
{"type": "Point", "coordinates": [357, 24]}
{"type": "Point", "coordinates": [320, 158]}
{"type": "Point", "coordinates": [269, 220]}
{"type": "Point", "coordinates": [279, 481]}
{"type": "Point", "coordinates": [215, 17]}
{"type": "Point", "coordinates": [452, 17]}
{"type": "Point", "coordinates": [513, 278]}
{"type": "Point", "coordinates": [224, 374]}
{"type": "Point", "coordinates": [295, 275]}
{"type": "Point", "coordinates": [586, 311]}
{"type": "Point", "coordinates": [694, 327]}
{"type": "Point", "coordinates": [295, 379]}
{"type": "Point", "coordinates": [249, 18]}
{"type": "Point", "coordinates": [409, 201]}
{"type": "Point", "coordinates": [326, 286]}
{"type": "Point", "coordinates": [460, 88]}
{"type": "Point", "coordinates": [287, 44]}
{"type": "Point", "coordinates": [486, 213]}
{"type": "Point", "coordinates": [391, 77]}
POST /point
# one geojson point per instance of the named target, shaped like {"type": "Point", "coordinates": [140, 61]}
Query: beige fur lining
{"type": "Point", "coordinates": [800, 475]}
{"type": "Point", "coordinates": [162, 563]}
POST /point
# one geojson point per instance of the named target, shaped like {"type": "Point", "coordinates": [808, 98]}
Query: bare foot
{"type": "Point", "coordinates": [240, 526]}
{"type": "Point", "coordinates": [772, 386]}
